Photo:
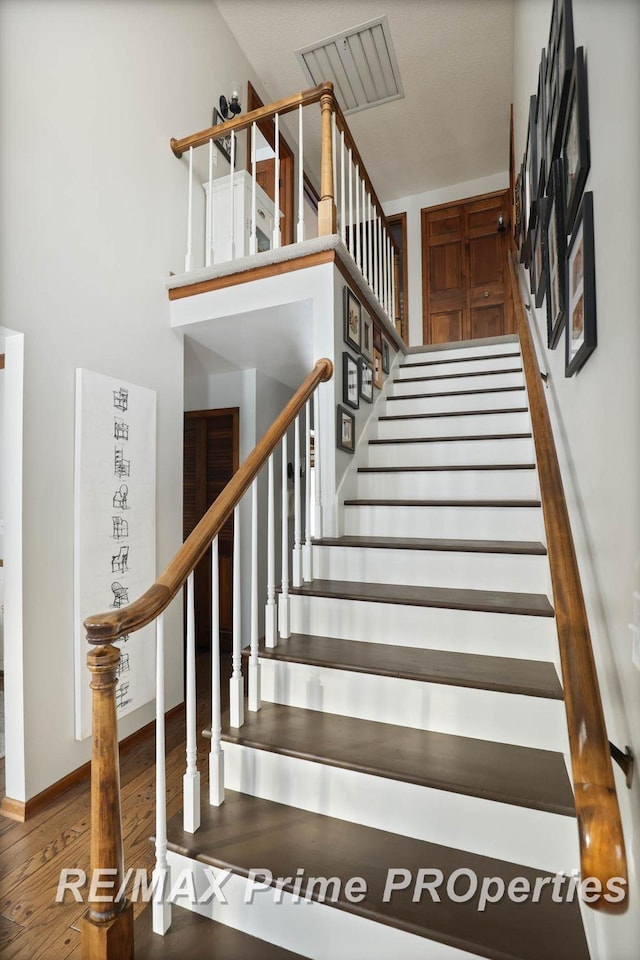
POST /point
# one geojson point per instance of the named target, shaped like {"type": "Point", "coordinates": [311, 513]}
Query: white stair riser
{"type": "Point", "coordinates": [455, 426]}
{"type": "Point", "coordinates": [434, 568]}
{"type": "Point", "coordinates": [463, 711]}
{"type": "Point", "coordinates": [465, 401]}
{"type": "Point", "coordinates": [461, 353]}
{"type": "Point", "coordinates": [454, 523]}
{"type": "Point", "coordinates": [470, 365]}
{"type": "Point", "coordinates": [466, 631]}
{"type": "Point", "coordinates": [489, 381]}
{"type": "Point", "coordinates": [450, 453]}
{"type": "Point", "coordinates": [450, 485]}
{"type": "Point", "coordinates": [306, 928]}
{"type": "Point", "coordinates": [530, 837]}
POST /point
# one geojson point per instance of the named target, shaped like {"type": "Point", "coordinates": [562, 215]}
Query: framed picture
{"type": "Point", "coordinates": [562, 37]}
{"type": "Point", "coordinates": [575, 140]}
{"type": "Point", "coordinates": [345, 430]}
{"type": "Point", "coordinates": [556, 251]}
{"type": "Point", "coordinates": [532, 167]}
{"type": "Point", "coordinates": [223, 145]}
{"type": "Point", "coordinates": [367, 336]}
{"type": "Point", "coordinates": [377, 338]}
{"type": "Point", "coordinates": [377, 369]}
{"type": "Point", "coordinates": [352, 319]}
{"type": "Point", "coordinates": [517, 206]}
{"type": "Point", "coordinates": [350, 381]}
{"type": "Point", "coordinates": [540, 271]}
{"type": "Point", "coordinates": [523, 209]}
{"type": "Point", "coordinates": [581, 290]}
{"type": "Point", "coordinates": [366, 380]}
{"type": "Point", "coordinates": [385, 356]}
{"type": "Point", "coordinates": [551, 105]}
{"type": "Point", "coordinates": [540, 128]}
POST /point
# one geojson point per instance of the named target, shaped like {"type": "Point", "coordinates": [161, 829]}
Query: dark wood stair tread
{"type": "Point", "coordinates": [451, 598]}
{"type": "Point", "coordinates": [440, 503]}
{"type": "Point", "coordinates": [436, 468]}
{"type": "Point", "coordinates": [456, 439]}
{"type": "Point", "coordinates": [534, 678]}
{"type": "Point", "coordinates": [521, 776]}
{"type": "Point", "coordinates": [454, 376]}
{"type": "Point", "coordinates": [456, 393]}
{"type": "Point", "coordinates": [489, 356]}
{"type": "Point", "coordinates": [247, 832]}
{"type": "Point", "coordinates": [528, 547]}
{"type": "Point", "coordinates": [192, 936]}
{"type": "Point", "coordinates": [453, 413]}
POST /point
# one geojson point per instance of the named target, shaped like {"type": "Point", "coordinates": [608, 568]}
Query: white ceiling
{"type": "Point", "coordinates": [455, 59]}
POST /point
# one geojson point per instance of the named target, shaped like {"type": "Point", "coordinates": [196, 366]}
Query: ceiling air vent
{"type": "Point", "coordinates": [361, 64]}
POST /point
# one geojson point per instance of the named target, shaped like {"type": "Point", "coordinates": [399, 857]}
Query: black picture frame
{"type": "Point", "coordinates": [352, 319]}
{"type": "Point", "coordinates": [385, 356]}
{"type": "Point", "coordinates": [366, 380]}
{"type": "Point", "coordinates": [345, 430]}
{"type": "Point", "coordinates": [539, 257]}
{"type": "Point", "coordinates": [563, 53]}
{"type": "Point", "coordinates": [223, 145]}
{"type": "Point", "coordinates": [540, 129]}
{"type": "Point", "coordinates": [556, 253]}
{"type": "Point", "coordinates": [350, 381]}
{"type": "Point", "coordinates": [523, 209]}
{"type": "Point", "coordinates": [581, 338]}
{"type": "Point", "coordinates": [576, 152]}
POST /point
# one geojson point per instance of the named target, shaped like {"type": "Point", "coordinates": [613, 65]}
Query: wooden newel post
{"type": "Point", "coordinates": [327, 205]}
{"type": "Point", "coordinates": [107, 930]}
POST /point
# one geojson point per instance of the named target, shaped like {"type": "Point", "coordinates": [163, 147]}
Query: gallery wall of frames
{"type": "Point", "coordinates": [554, 231]}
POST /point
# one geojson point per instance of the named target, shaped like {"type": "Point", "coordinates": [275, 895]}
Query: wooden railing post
{"type": "Point", "coordinates": [107, 930]}
{"type": "Point", "coordinates": [327, 205]}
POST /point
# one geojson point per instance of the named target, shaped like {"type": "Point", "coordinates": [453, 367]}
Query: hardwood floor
{"type": "Point", "coordinates": [32, 854]}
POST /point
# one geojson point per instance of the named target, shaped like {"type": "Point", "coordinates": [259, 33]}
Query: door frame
{"type": "Point", "coordinates": [401, 220]}
{"type": "Point", "coordinates": [424, 212]}
{"type": "Point", "coordinates": [287, 190]}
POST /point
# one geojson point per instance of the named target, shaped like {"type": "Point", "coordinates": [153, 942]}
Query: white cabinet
{"type": "Point", "coordinates": [265, 217]}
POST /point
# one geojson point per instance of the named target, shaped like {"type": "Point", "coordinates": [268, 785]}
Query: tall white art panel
{"type": "Point", "coordinates": [115, 517]}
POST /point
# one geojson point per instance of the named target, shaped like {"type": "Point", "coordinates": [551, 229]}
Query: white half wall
{"type": "Point", "coordinates": [413, 206]}
{"type": "Point", "coordinates": [595, 413]}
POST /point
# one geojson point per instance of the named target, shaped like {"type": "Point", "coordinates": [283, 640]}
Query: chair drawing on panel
{"type": "Point", "coordinates": [121, 695]}
{"type": "Point", "coordinates": [120, 595]}
{"type": "Point", "coordinates": [121, 497]}
{"type": "Point", "coordinates": [123, 666]}
{"type": "Point", "coordinates": [120, 528]}
{"type": "Point", "coordinates": [121, 399]}
{"type": "Point", "coordinates": [121, 467]}
{"type": "Point", "coordinates": [120, 560]}
{"type": "Point", "coordinates": [120, 429]}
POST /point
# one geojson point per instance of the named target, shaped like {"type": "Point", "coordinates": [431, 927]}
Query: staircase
{"type": "Point", "coordinates": [412, 733]}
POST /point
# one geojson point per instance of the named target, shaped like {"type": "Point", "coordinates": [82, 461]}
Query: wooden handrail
{"type": "Point", "coordinates": [106, 627]}
{"type": "Point", "coordinates": [287, 105]}
{"type": "Point", "coordinates": [602, 850]}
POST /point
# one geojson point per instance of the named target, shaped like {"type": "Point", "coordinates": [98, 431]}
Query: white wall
{"type": "Point", "coordinates": [412, 206]}
{"type": "Point", "coordinates": [595, 413]}
{"type": "Point", "coordinates": [93, 205]}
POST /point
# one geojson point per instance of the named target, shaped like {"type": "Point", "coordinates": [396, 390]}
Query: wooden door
{"type": "Point", "coordinates": [211, 454]}
{"type": "Point", "coordinates": [464, 270]}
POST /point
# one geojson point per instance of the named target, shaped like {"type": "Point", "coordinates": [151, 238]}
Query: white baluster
{"type": "Point", "coordinates": [216, 756]}
{"type": "Point", "coordinates": [316, 463]}
{"type": "Point", "coordinates": [300, 229]}
{"type": "Point", "coordinates": [389, 276]}
{"type": "Point", "coordinates": [191, 779]}
{"type": "Point", "coordinates": [306, 551]}
{"type": "Point", "coordinates": [188, 255]}
{"type": "Point", "coordinates": [276, 226]}
{"type": "Point", "coordinates": [208, 253]}
{"type": "Point", "coordinates": [374, 227]}
{"type": "Point", "coordinates": [254, 665]}
{"type": "Point", "coordinates": [380, 270]}
{"type": "Point", "coordinates": [297, 521]}
{"type": "Point", "coordinates": [350, 234]}
{"type": "Point", "coordinates": [393, 284]}
{"type": "Point", "coordinates": [283, 600]}
{"type": "Point", "coordinates": [357, 225]}
{"type": "Point", "coordinates": [253, 239]}
{"type": "Point", "coordinates": [334, 145]}
{"type": "Point", "coordinates": [364, 230]}
{"type": "Point", "coordinates": [369, 242]}
{"type": "Point", "coordinates": [271, 610]}
{"type": "Point", "coordinates": [161, 911]}
{"type": "Point", "coordinates": [343, 193]}
{"type": "Point", "coordinates": [385, 269]}
{"type": "Point", "coordinates": [236, 685]}
{"type": "Point", "coordinates": [232, 198]}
